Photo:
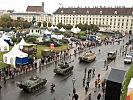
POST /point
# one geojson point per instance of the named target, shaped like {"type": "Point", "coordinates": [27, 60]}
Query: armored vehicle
{"type": "Point", "coordinates": [111, 55]}
{"type": "Point", "coordinates": [63, 68]}
{"type": "Point", "coordinates": [88, 57]}
{"type": "Point", "coordinates": [33, 84]}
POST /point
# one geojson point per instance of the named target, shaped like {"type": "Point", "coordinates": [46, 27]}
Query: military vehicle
{"type": "Point", "coordinates": [33, 84]}
{"type": "Point", "coordinates": [63, 68]}
{"type": "Point", "coordinates": [111, 55]}
{"type": "Point", "coordinates": [88, 57]}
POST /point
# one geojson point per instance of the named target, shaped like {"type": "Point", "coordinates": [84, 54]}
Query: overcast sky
{"type": "Point", "coordinates": [53, 5]}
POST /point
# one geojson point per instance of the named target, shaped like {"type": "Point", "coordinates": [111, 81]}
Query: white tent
{"type": "Point", "coordinates": [10, 57]}
{"type": "Point", "coordinates": [74, 30]}
{"type": "Point", "coordinates": [47, 32]}
{"type": "Point", "coordinates": [62, 29]}
{"type": "Point", "coordinates": [21, 43]}
{"type": "Point", "coordinates": [130, 86]}
{"type": "Point", "coordinates": [78, 29]}
{"type": "Point", "coordinates": [5, 37]}
{"type": "Point", "coordinates": [4, 46]}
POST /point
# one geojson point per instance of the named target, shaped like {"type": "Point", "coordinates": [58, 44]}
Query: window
{"type": "Point", "coordinates": [101, 12]}
{"type": "Point", "coordinates": [115, 12]}
{"type": "Point", "coordinates": [5, 48]}
{"type": "Point", "coordinates": [87, 12]}
{"type": "Point", "coordinates": [62, 11]}
{"type": "Point", "coordinates": [11, 60]}
{"type": "Point", "coordinates": [5, 59]}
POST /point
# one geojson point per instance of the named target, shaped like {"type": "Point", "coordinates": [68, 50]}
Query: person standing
{"type": "Point", "coordinates": [99, 51]}
{"type": "Point", "coordinates": [83, 81]}
{"type": "Point", "coordinates": [99, 96]}
{"type": "Point", "coordinates": [86, 89]}
{"type": "Point", "coordinates": [93, 74]}
{"type": "Point", "coordinates": [99, 76]}
{"type": "Point", "coordinates": [89, 97]}
{"type": "Point", "coordinates": [105, 62]}
{"type": "Point", "coordinates": [96, 84]}
{"type": "Point", "coordinates": [0, 88]}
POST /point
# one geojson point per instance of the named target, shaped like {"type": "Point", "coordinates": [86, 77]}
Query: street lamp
{"type": "Point", "coordinates": [73, 81]}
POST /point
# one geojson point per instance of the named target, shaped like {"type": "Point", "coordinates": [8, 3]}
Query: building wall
{"type": "Point", "coordinates": [28, 17]}
{"type": "Point", "coordinates": [121, 23]}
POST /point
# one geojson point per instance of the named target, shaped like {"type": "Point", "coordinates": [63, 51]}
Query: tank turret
{"type": "Point", "coordinates": [33, 84]}
{"type": "Point", "coordinates": [63, 68]}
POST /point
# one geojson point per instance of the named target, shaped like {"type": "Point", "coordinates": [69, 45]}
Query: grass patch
{"type": "Point", "coordinates": [42, 47]}
{"type": "Point", "coordinates": [127, 79]}
{"type": "Point", "coordinates": [103, 36]}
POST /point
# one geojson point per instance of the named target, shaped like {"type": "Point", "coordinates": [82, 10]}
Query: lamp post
{"type": "Point", "coordinates": [73, 81]}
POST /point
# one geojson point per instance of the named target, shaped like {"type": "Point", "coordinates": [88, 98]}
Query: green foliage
{"type": "Point", "coordinates": [60, 25]}
{"type": "Point", "coordinates": [31, 39]}
{"type": "Point", "coordinates": [127, 79]}
{"type": "Point", "coordinates": [68, 26]}
{"type": "Point", "coordinates": [6, 18]}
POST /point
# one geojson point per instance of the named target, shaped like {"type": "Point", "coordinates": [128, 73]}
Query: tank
{"type": "Point", "coordinates": [63, 68]}
{"type": "Point", "coordinates": [33, 84]}
{"type": "Point", "coordinates": [88, 57]}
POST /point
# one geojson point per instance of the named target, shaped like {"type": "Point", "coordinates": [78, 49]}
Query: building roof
{"type": "Point", "coordinates": [26, 13]}
{"type": "Point", "coordinates": [116, 75]}
{"type": "Point", "coordinates": [35, 9]}
{"type": "Point", "coordinates": [95, 11]}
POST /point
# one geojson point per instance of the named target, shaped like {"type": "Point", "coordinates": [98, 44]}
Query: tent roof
{"type": "Point", "coordinates": [131, 83]}
{"type": "Point", "coordinates": [15, 52]}
{"type": "Point", "coordinates": [22, 42]}
{"type": "Point", "coordinates": [5, 37]}
{"type": "Point", "coordinates": [3, 43]}
{"type": "Point", "coordinates": [116, 75]}
{"type": "Point", "coordinates": [47, 32]}
{"type": "Point", "coordinates": [62, 29]}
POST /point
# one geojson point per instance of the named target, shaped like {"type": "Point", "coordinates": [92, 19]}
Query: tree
{"type": "Point", "coordinates": [59, 25]}
{"type": "Point", "coordinates": [6, 18]}
{"type": "Point", "coordinates": [68, 26]}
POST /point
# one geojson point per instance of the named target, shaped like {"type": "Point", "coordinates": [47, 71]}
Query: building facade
{"type": "Point", "coordinates": [28, 16]}
{"type": "Point", "coordinates": [112, 19]}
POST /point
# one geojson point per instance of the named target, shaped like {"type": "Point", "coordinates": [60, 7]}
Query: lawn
{"type": "Point", "coordinates": [103, 36]}
{"type": "Point", "coordinates": [127, 79]}
{"type": "Point", "coordinates": [41, 47]}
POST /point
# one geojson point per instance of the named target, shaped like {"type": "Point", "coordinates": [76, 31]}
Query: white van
{"type": "Point", "coordinates": [128, 59]}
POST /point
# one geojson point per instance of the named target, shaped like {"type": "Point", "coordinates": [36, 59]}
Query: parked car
{"type": "Point", "coordinates": [128, 59]}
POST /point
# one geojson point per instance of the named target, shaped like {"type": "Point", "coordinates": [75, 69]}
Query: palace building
{"type": "Point", "coordinates": [112, 19]}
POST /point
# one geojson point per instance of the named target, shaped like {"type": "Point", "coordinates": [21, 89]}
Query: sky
{"type": "Point", "coordinates": [51, 6]}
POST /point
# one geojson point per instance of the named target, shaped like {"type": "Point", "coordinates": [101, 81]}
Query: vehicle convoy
{"type": "Point", "coordinates": [33, 84]}
{"type": "Point", "coordinates": [111, 55]}
{"type": "Point", "coordinates": [88, 57]}
{"type": "Point", "coordinates": [64, 68]}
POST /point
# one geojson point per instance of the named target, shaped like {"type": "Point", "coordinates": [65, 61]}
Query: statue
{"type": "Point", "coordinates": [33, 21]}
